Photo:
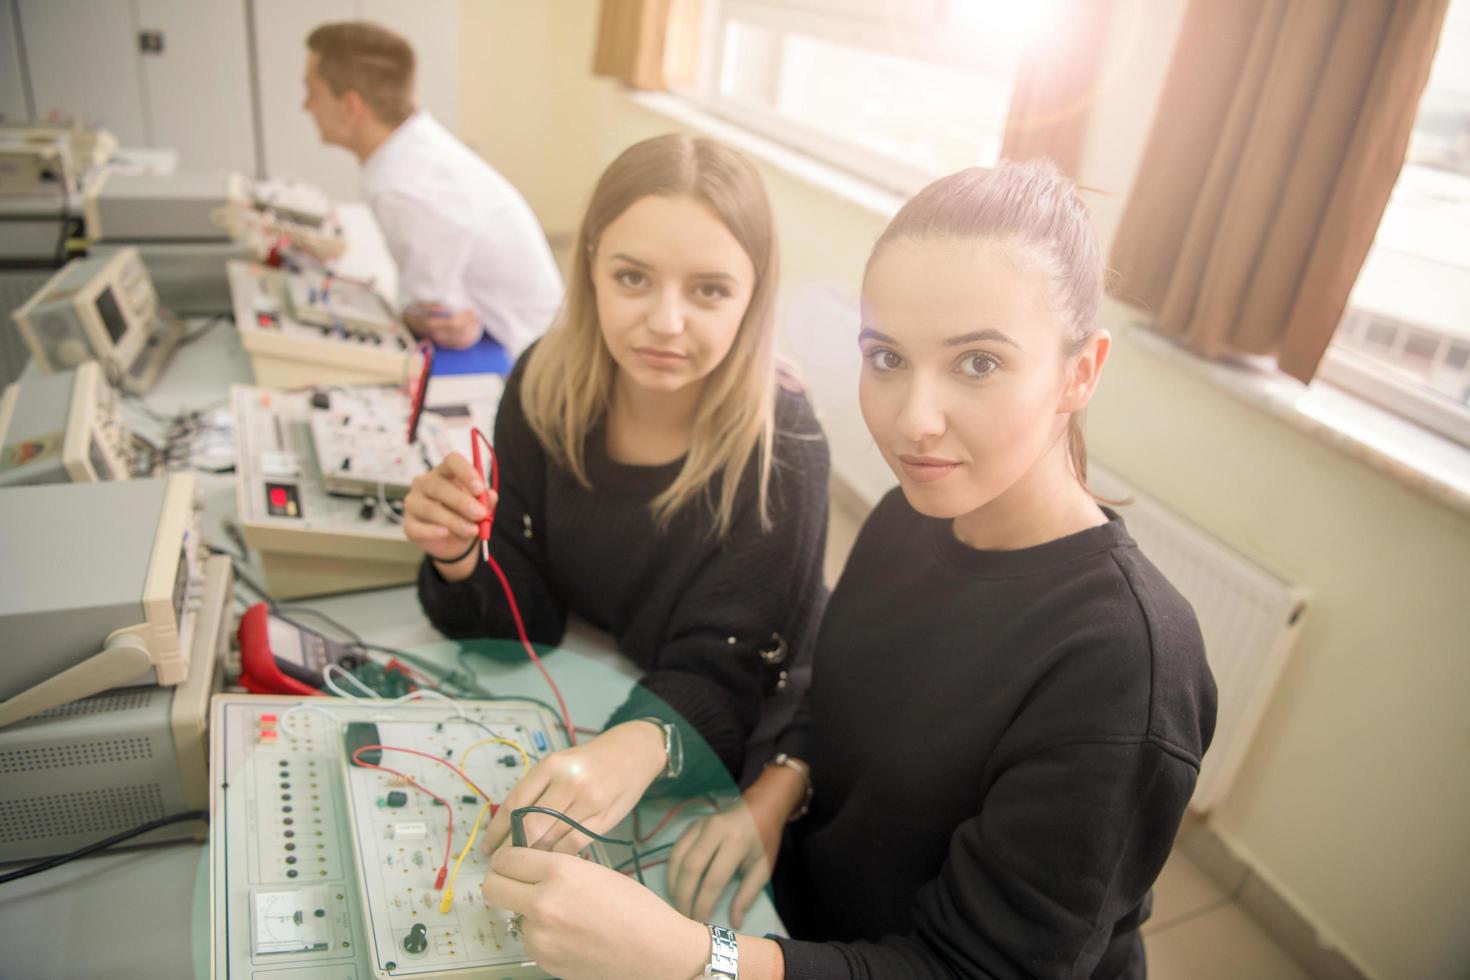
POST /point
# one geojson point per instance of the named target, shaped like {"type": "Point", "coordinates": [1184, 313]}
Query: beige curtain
{"type": "Point", "coordinates": [1055, 87]}
{"type": "Point", "coordinates": [1279, 137]}
{"type": "Point", "coordinates": [647, 44]}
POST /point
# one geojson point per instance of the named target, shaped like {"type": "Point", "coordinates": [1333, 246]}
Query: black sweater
{"type": "Point", "coordinates": [691, 610]}
{"type": "Point", "coordinates": [1002, 745]}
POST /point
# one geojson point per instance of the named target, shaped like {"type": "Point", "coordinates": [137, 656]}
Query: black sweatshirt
{"type": "Point", "coordinates": [692, 610]}
{"type": "Point", "coordinates": [1002, 745]}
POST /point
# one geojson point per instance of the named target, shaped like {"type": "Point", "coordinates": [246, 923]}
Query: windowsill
{"type": "Point", "coordinates": [820, 176]}
{"type": "Point", "coordinates": [1411, 455]}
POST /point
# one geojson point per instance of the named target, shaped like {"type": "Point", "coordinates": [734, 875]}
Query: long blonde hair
{"type": "Point", "coordinates": [568, 382]}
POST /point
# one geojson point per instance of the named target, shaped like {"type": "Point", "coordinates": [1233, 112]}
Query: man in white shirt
{"type": "Point", "coordinates": [471, 255]}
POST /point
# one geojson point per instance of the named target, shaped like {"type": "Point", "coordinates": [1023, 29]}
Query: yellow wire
{"type": "Point", "coordinates": [525, 757]}
{"type": "Point", "coordinates": [448, 898]}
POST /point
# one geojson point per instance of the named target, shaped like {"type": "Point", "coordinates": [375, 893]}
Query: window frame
{"type": "Point", "coordinates": [1360, 375]}
{"type": "Point", "coordinates": [918, 28]}
{"type": "Point", "coordinates": [1355, 370]}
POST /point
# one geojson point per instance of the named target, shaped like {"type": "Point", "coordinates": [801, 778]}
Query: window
{"type": "Point", "coordinates": [1404, 342]}
{"type": "Point", "coordinates": [897, 91]}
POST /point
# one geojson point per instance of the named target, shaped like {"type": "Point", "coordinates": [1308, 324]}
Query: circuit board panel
{"type": "Point", "coordinates": [401, 839]}
{"type": "Point", "coordinates": [322, 869]}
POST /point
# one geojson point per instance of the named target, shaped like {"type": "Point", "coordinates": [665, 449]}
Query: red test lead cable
{"type": "Point", "coordinates": [476, 438]}
{"type": "Point", "coordinates": [418, 390]}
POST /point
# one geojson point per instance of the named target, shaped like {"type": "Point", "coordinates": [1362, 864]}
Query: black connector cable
{"type": "Point", "coordinates": [648, 854]}
{"type": "Point", "coordinates": [518, 833]}
{"type": "Point", "coordinates": [102, 845]}
{"type": "Point", "coordinates": [208, 325]}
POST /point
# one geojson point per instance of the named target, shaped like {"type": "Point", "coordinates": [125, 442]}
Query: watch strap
{"type": "Point", "coordinates": [673, 746]}
{"type": "Point", "coordinates": [724, 954]}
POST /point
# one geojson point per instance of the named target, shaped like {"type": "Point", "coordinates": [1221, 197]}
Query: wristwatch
{"type": "Point", "coordinates": [673, 747]}
{"type": "Point", "coordinates": [797, 766]}
{"type": "Point", "coordinates": [724, 954]}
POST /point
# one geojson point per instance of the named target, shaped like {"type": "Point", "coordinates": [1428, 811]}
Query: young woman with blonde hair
{"type": "Point", "coordinates": [658, 479]}
{"type": "Point", "coordinates": [1009, 702]}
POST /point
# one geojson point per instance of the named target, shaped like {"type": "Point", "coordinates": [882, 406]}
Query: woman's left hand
{"type": "Point", "coordinates": [580, 919]}
{"type": "Point", "coordinates": [596, 784]}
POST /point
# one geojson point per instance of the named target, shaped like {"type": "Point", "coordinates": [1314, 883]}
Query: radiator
{"type": "Point", "coordinates": [1249, 616]}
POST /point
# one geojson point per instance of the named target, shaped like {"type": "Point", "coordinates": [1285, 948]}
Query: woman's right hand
{"type": "Point", "coordinates": [744, 837]}
{"type": "Point", "coordinates": [442, 512]}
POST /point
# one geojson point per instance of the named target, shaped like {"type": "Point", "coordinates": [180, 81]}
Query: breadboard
{"type": "Point", "coordinates": [361, 438]}
{"type": "Point", "coordinates": [339, 305]}
{"type": "Point", "coordinates": [317, 873]}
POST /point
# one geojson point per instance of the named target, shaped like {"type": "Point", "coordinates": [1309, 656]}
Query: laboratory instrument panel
{"type": "Point", "coordinates": [308, 328]}
{"type": "Point", "coordinates": [37, 168]}
{"type": "Point", "coordinates": [106, 763]}
{"type": "Point", "coordinates": [50, 159]}
{"type": "Point", "coordinates": [266, 213]}
{"type": "Point", "coordinates": [311, 542]}
{"type": "Point", "coordinates": [320, 476]}
{"type": "Point", "coordinates": [325, 868]}
{"type": "Point", "coordinates": [112, 602]}
{"type": "Point", "coordinates": [62, 428]}
{"type": "Point", "coordinates": [104, 309]}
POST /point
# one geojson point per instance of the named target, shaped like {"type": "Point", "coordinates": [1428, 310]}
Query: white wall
{"type": "Point", "coordinates": [289, 141]}
{"type": "Point", "coordinates": [198, 88]}
{"type": "Point", "coordinates": [530, 103]}
{"type": "Point", "coordinates": [12, 86]}
{"type": "Point", "coordinates": [1354, 800]}
{"type": "Point", "coordinates": [83, 60]}
{"type": "Point", "coordinates": [193, 96]}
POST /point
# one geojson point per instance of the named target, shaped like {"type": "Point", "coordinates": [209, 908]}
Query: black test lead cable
{"type": "Point", "coordinates": [518, 833]}
{"type": "Point", "coordinates": [102, 845]}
